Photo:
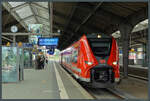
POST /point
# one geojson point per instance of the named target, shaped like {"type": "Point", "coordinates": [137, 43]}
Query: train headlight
{"type": "Point", "coordinates": [99, 36]}
{"type": "Point", "coordinates": [117, 79]}
{"type": "Point", "coordinates": [115, 63]}
{"type": "Point", "coordinates": [89, 63]}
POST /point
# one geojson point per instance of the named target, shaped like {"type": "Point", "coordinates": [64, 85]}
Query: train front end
{"type": "Point", "coordinates": [105, 72]}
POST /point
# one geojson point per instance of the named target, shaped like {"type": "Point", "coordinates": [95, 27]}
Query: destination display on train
{"type": "Point", "coordinates": [47, 41]}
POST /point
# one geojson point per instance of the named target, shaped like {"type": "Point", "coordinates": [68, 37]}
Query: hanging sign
{"type": "Point", "coordinates": [47, 41]}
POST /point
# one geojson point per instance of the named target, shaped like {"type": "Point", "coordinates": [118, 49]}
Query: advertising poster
{"type": "Point", "coordinates": [35, 28]}
{"type": "Point", "coordinates": [33, 39]}
{"type": "Point", "coordinates": [9, 64]}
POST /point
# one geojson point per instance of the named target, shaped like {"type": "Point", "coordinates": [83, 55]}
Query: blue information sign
{"type": "Point", "coordinates": [47, 41]}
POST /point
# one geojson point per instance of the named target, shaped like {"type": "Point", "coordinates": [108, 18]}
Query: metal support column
{"type": "Point", "coordinates": [14, 40]}
{"type": "Point", "coordinates": [144, 55]}
{"type": "Point", "coordinates": [148, 53]}
{"type": "Point", "coordinates": [50, 7]}
{"type": "Point", "coordinates": [125, 30]}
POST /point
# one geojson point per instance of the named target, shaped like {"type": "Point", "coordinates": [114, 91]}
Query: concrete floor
{"type": "Point", "coordinates": [135, 87]}
{"type": "Point", "coordinates": [43, 84]}
{"type": "Point", "coordinates": [54, 83]}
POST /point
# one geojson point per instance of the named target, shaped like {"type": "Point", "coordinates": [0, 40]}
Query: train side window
{"type": "Point", "coordinates": [74, 57]}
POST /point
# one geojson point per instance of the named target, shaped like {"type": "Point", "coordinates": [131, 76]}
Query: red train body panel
{"type": "Point", "coordinates": [93, 60]}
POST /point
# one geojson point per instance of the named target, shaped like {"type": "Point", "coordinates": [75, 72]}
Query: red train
{"type": "Point", "coordinates": [94, 59]}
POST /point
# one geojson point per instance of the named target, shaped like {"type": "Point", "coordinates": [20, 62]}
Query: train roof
{"type": "Point", "coordinates": [93, 35]}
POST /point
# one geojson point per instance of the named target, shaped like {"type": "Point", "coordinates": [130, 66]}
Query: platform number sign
{"type": "Point", "coordinates": [51, 51]}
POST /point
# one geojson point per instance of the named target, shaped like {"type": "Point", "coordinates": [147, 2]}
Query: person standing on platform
{"type": "Point", "coordinates": [46, 61]}
{"type": "Point", "coordinates": [42, 61]}
{"type": "Point", "coordinates": [38, 62]}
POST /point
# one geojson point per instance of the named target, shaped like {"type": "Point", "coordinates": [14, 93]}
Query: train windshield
{"type": "Point", "coordinates": [100, 47]}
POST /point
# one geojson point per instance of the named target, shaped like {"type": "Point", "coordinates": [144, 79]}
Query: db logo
{"type": "Point", "coordinates": [102, 61]}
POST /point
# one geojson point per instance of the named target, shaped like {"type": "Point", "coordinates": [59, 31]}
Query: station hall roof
{"type": "Point", "coordinates": [74, 19]}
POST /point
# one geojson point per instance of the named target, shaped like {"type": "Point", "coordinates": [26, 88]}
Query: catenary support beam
{"type": "Point", "coordinates": [88, 16]}
{"type": "Point", "coordinates": [70, 17]}
{"type": "Point", "coordinates": [76, 21]}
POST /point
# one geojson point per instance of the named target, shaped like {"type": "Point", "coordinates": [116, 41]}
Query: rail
{"type": "Point", "coordinates": [118, 94]}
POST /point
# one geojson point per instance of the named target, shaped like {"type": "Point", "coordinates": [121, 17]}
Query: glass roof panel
{"type": "Point", "coordinates": [140, 26]}
{"type": "Point", "coordinates": [44, 4]}
{"type": "Point", "coordinates": [45, 22]}
{"type": "Point", "coordinates": [43, 14]}
{"type": "Point", "coordinates": [145, 21]}
{"type": "Point", "coordinates": [35, 10]}
{"type": "Point", "coordinates": [30, 21]}
{"type": "Point", "coordinates": [24, 12]}
{"type": "Point", "coordinates": [47, 27]}
{"type": "Point", "coordinates": [46, 32]}
{"type": "Point", "coordinates": [14, 4]}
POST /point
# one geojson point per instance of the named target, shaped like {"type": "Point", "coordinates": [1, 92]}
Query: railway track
{"type": "Point", "coordinates": [109, 93]}
{"type": "Point", "coordinates": [137, 72]}
{"type": "Point", "coordinates": [120, 94]}
{"type": "Point", "coordinates": [136, 77]}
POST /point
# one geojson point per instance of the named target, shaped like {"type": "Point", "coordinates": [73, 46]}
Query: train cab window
{"type": "Point", "coordinates": [100, 47]}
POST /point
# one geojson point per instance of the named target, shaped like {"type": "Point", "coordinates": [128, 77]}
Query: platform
{"type": "Point", "coordinates": [135, 87]}
{"type": "Point", "coordinates": [136, 66]}
{"type": "Point", "coordinates": [49, 83]}
{"type": "Point", "coordinates": [137, 70]}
